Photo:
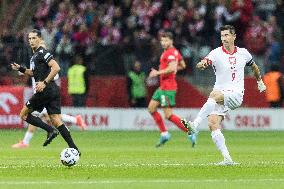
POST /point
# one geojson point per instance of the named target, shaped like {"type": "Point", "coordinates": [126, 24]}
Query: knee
{"type": "Point", "coordinates": [151, 109]}
{"type": "Point", "coordinates": [31, 128]}
{"type": "Point", "coordinates": [168, 116]}
{"type": "Point", "coordinates": [213, 124]}
{"type": "Point", "coordinates": [56, 121]}
{"type": "Point", "coordinates": [23, 115]}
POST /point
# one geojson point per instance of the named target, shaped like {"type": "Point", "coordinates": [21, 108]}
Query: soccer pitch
{"type": "Point", "coordinates": [123, 159]}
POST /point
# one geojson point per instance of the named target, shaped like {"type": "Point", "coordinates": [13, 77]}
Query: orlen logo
{"type": "Point", "coordinates": [5, 98]}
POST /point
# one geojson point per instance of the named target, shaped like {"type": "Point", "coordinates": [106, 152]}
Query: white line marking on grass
{"type": "Point", "coordinates": [124, 181]}
{"type": "Point", "coordinates": [246, 164]}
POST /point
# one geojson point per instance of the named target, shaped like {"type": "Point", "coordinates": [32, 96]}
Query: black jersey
{"type": "Point", "coordinates": [39, 64]}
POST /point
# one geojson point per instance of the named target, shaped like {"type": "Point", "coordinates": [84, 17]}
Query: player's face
{"type": "Point", "coordinates": [34, 40]}
{"type": "Point", "coordinates": [227, 38]}
{"type": "Point", "coordinates": [166, 42]}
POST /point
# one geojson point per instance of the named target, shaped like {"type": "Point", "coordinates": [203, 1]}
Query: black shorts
{"type": "Point", "coordinates": [49, 98]}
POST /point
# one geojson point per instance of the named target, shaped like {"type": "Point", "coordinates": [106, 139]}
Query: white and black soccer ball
{"type": "Point", "coordinates": [69, 156]}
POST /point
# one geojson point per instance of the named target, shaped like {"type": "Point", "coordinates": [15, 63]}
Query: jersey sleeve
{"type": "Point", "coordinates": [248, 57]}
{"type": "Point", "coordinates": [211, 58]}
{"type": "Point", "coordinates": [46, 56]}
{"type": "Point", "coordinates": [179, 57]}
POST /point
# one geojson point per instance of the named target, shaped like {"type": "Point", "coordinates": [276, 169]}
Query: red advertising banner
{"type": "Point", "coordinates": [11, 103]}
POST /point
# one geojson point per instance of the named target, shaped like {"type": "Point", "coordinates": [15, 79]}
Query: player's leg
{"type": "Point", "coordinates": [29, 134]}
{"type": "Point", "coordinates": [174, 118]}
{"type": "Point", "coordinates": [78, 120]}
{"type": "Point", "coordinates": [218, 138]}
{"type": "Point", "coordinates": [27, 138]}
{"type": "Point", "coordinates": [216, 97]}
{"type": "Point", "coordinates": [232, 100]}
{"type": "Point", "coordinates": [63, 130]}
{"type": "Point", "coordinates": [152, 108]}
{"type": "Point", "coordinates": [26, 115]}
{"type": "Point", "coordinates": [167, 102]}
{"type": "Point", "coordinates": [177, 121]}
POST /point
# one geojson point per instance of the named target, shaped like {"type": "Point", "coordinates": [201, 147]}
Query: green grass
{"type": "Point", "coordinates": [130, 160]}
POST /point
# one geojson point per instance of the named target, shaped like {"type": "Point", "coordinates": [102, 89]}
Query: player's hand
{"type": "Point", "coordinates": [15, 66]}
{"type": "Point", "coordinates": [261, 86]}
{"type": "Point", "coordinates": [153, 73]}
{"type": "Point", "coordinates": [202, 64]}
{"type": "Point", "coordinates": [40, 86]}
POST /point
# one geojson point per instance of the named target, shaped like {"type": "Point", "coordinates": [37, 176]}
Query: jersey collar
{"type": "Point", "coordinates": [38, 49]}
{"type": "Point", "coordinates": [227, 52]}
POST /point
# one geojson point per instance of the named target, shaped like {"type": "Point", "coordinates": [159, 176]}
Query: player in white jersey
{"type": "Point", "coordinates": [78, 120]}
{"type": "Point", "coordinates": [228, 63]}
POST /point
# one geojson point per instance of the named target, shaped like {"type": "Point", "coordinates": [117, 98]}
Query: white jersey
{"type": "Point", "coordinates": [229, 68]}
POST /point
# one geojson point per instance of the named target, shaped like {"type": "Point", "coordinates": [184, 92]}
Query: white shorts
{"type": "Point", "coordinates": [39, 114]}
{"type": "Point", "coordinates": [232, 100]}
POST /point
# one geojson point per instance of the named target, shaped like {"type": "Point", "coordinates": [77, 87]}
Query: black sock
{"type": "Point", "coordinates": [66, 135]}
{"type": "Point", "coordinates": [36, 121]}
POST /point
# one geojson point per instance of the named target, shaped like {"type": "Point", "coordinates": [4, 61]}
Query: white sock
{"type": "Point", "coordinates": [205, 111]}
{"type": "Point", "coordinates": [27, 138]}
{"type": "Point", "coordinates": [219, 140]}
{"type": "Point", "coordinates": [164, 133]}
{"type": "Point", "coordinates": [68, 118]}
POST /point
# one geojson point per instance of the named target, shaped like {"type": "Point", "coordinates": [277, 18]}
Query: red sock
{"type": "Point", "coordinates": [176, 120]}
{"type": "Point", "coordinates": [158, 119]}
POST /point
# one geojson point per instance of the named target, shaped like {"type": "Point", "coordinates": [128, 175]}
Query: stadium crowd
{"type": "Point", "coordinates": [111, 34]}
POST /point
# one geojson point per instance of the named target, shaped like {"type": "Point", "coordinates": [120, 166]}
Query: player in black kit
{"type": "Point", "coordinates": [43, 70]}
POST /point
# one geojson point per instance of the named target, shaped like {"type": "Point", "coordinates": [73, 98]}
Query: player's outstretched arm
{"type": "Point", "coordinates": [203, 64]}
{"type": "Point", "coordinates": [261, 86]}
{"type": "Point", "coordinates": [21, 69]}
{"type": "Point", "coordinates": [172, 67]}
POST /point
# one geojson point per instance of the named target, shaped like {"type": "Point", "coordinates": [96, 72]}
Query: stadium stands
{"type": "Point", "coordinates": [110, 34]}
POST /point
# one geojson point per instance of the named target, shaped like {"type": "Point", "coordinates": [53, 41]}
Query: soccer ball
{"type": "Point", "coordinates": [69, 156]}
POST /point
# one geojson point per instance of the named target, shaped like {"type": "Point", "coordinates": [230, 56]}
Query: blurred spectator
{"type": "Point", "coordinates": [256, 41]}
{"type": "Point", "coordinates": [136, 86]}
{"type": "Point", "coordinates": [109, 33]}
{"type": "Point", "coordinates": [264, 8]}
{"type": "Point", "coordinates": [98, 30]}
{"type": "Point", "coordinates": [78, 82]}
{"type": "Point", "coordinates": [64, 53]}
{"type": "Point", "coordinates": [81, 39]}
{"type": "Point", "coordinates": [43, 11]}
{"type": "Point", "coordinates": [279, 13]}
{"type": "Point", "coordinates": [273, 55]}
{"type": "Point", "coordinates": [274, 86]}
{"type": "Point", "coordinates": [65, 30]}
{"type": "Point", "coordinates": [245, 7]}
{"type": "Point", "coordinates": [61, 15]}
{"type": "Point", "coordinates": [255, 36]}
{"type": "Point", "coordinates": [48, 34]}
{"type": "Point", "coordinates": [274, 51]}
{"type": "Point", "coordinates": [222, 17]}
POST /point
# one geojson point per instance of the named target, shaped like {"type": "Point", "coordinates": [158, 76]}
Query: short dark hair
{"type": "Point", "coordinates": [167, 34]}
{"type": "Point", "coordinates": [38, 32]}
{"type": "Point", "coordinates": [231, 28]}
